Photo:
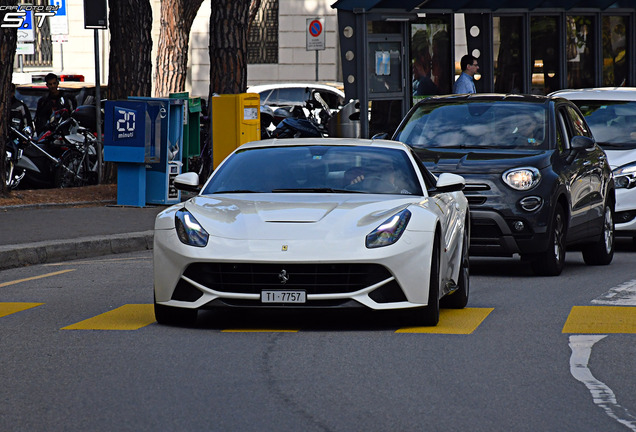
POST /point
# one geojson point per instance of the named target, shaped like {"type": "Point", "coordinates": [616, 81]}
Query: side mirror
{"type": "Point", "coordinates": [187, 182]}
{"type": "Point", "coordinates": [581, 143]}
{"type": "Point", "coordinates": [448, 182]}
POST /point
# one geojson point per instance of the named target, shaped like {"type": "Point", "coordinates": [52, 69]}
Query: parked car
{"type": "Point", "coordinates": [611, 114]}
{"type": "Point", "coordinates": [315, 223]}
{"type": "Point", "coordinates": [536, 181]}
{"type": "Point", "coordinates": [297, 94]}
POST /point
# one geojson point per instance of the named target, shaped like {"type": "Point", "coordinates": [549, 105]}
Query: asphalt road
{"type": "Point", "coordinates": [80, 351]}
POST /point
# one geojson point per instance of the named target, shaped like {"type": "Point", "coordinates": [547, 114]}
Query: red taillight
{"type": "Point", "coordinates": [76, 78]}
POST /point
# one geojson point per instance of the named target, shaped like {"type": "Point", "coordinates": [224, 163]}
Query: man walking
{"type": "Point", "coordinates": [465, 83]}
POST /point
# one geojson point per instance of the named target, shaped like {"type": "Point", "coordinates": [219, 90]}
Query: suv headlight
{"type": "Point", "coordinates": [189, 230]}
{"type": "Point", "coordinates": [625, 176]}
{"type": "Point", "coordinates": [522, 179]}
{"type": "Point", "coordinates": [390, 231]}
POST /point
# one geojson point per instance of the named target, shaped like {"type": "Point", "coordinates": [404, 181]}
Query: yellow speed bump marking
{"type": "Point", "coordinates": [454, 321]}
{"type": "Point", "coordinates": [127, 317]}
{"type": "Point", "coordinates": [4, 284]}
{"type": "Point", "coordinates": [601, 319]}
{"type": "Point", "coordinates": [11, 308]}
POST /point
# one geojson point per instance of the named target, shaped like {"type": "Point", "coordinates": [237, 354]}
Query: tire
{"type": "Point", "coordinates": [72, 160]}
{"type": "Point", "coordinates": [601, 252]}
{"type": "Point", "coordinates": [551, 263]}
{"type": "Point", "coordinates": [429, 315]}
{"type": "Point", "coordinates": [175, 316]}
{"type": "Point", "coordinates": [459, 298]}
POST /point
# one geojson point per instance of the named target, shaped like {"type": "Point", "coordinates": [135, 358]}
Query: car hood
{"type": "Point", "coordinates": [473, 161]}
{"type": "Point", "coordinates": [278, 216]}
{"type": "Point", "coordinates": [618, 158]}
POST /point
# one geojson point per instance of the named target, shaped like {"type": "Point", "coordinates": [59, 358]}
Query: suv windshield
{"type": "Point", "coordinates": [611, 122]}
{"type": "Point", "coordinates": [476, 124]}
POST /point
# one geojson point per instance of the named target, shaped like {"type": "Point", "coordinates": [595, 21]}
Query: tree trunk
{"type": "Point", "coordinates": [229, 21]}
{"type": "Point", "coordinates": [172, 56]}
{"type": "Point", "coordinates": [8, 40]}
{"type": "Point", "coordinates": [130, 65]}
{"type": "Point", "coordinates": [129, 62]}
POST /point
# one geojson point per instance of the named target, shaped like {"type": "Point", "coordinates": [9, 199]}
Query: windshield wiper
{"type": "Point", "coordinates": [235, 191]}
{"type": "Point", "coordinates": [315, 190]}
{"type": "Point", "coordinates": [613, 145]}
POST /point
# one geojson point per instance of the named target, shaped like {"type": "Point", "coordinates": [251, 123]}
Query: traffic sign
{"type": "Point", "coordinates": [315, 34]}
{"type": "Point", "coordinates": [25, 32]}
{"type": "Point", "coordinates": [59, 22]}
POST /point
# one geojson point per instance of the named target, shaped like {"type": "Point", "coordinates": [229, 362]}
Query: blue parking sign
{"type": "Point", "coordinates": [27, 24]}
{"type": "Point", "coordinates": [62, 7]}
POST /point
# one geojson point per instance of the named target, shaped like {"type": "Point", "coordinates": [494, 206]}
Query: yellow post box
{"type": "Point", "coordinates": [236, 119]}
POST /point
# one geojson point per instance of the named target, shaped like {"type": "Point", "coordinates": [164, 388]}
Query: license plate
{"type": "Point", "coordinates": [279, 296]}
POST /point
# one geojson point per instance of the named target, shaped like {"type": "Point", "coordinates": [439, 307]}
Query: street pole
{"type": "Point", "coordinates": [98, 109]}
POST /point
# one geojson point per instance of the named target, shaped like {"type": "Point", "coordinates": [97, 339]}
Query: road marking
{"type": "Point", "coordinates": [603, 396]}
{"type": "Point", "coordinates": [454, 321]}
{"type": "Point", "coordinates": [106, 260]}
{"type": "Point", "coordinates": [260, 331]}
{"type": "Point", "coordinates": [622, 295]}
{"type": "Point", "coordinates": [127, 317]}
{"type": "Point", "coordinates": [11, 308]}
{"type": "Point", "coordinates": [601, 319]}
{"type": "Point", "coordinates": [4, 284]}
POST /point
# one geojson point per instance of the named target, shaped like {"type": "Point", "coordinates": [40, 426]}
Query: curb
{"type": "Point", "coordinates": [12, 256]}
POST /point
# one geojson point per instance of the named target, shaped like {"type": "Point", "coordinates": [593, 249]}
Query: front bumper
{"type": "Point", "coordinates": [232, 273]}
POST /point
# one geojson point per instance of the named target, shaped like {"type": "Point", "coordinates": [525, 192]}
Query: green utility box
{"type": "Point", "coordinates": [191, 127]}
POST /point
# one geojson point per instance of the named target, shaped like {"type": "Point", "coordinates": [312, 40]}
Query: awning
{"type": "Point", "coordinates": [482, 5]}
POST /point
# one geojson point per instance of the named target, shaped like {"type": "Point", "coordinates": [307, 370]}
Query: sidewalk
{"type": "Point", "coordinates": [52, 233]}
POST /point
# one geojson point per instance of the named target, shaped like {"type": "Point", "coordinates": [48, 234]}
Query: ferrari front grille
{"type": "Point", "coordinates": [251, 278]}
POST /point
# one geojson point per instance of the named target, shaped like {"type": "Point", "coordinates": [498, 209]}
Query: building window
{"type": "Point", "coordinates": [42, 47]}
{"type": "Point", "coordinates": [615, 56]}
{"type": "Point", "coordinates": [508, 50]}
{"type": "Point", "coordinates": [544, 54]}
{"type": "Point", "coordinates": [579, 50]}
{"type": "Point", "coordinates": [262, 43]}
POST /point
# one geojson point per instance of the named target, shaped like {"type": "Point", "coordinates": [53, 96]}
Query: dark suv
{"type": "Point", "coordinates": [536, 181]}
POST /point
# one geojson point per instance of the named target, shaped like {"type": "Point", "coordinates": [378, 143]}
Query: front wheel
{"type": "Point", "coordinates": [601, 252]}
{"type": "Point", "coordinates": [429, 315]}
{"type": "Point", "coordinates": [459, 298]}
{"type": "Point", "coordinates": [551, 263]}
{"type": "Point", "coordinates": [71, 172]}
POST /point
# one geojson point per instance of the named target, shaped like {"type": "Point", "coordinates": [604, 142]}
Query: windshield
{"type": "Point", "coordinates": [613, 123]}
{"type": "Point", "coordinates": [480, 124]}
{"type": "Point", "coordinates": [316, 169]}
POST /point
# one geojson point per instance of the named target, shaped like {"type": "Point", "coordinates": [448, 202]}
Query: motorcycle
{"type": "Point", "coordinates": [303, 122]}
{"type": "Point", "coordinates": [63, 156]}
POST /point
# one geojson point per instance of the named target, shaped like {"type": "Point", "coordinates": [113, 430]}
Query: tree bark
{"type": "Point", "coordinates": [130, 65]}
{"type": "Point", "coordinates": [172, 56]}
{"type": "Point", "coordinates": [8, 40]}
{"type": "Point", "coordinates": [229, 22]}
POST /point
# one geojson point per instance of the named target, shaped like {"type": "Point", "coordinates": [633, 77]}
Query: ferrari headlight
{"type": "Point", "coordinates": [189, 230]}
{"type": "Point", "coordinates": [522, 178]}
{"type": "Point", "coordinates": [390, 231]}
{"type": "Point", "coordinates": [625, 176]}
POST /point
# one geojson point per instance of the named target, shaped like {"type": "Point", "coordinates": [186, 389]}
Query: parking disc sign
{"type": "Point", "coordinates": [315, 34]}
{"type": "Point", "coordinates": [25, 32]}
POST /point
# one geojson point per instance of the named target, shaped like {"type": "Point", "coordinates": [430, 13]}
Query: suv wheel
{"type": "Point", "coordinates": [552, 261]}
{"type": "Point", "coordinates": [601, 252]}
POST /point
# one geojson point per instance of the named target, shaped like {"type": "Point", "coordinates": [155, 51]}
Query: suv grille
{"type": "Point", "coordinates": [249, 278]}
{"type": "Point", "coordinates": [472, 192]}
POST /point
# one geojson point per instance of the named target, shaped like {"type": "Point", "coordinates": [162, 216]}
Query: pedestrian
{"type": "Point", "coordinates": [50, 103]}
{"type": "Point", "coordinates": [466, 83]}
{"type": "Point", "coordinates": [20, 114]}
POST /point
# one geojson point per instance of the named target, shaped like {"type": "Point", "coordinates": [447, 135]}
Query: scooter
{"type": "Point", "coordinates": [57, 159]}
{"type": "Point", "coordinates": [306, 125]}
